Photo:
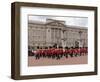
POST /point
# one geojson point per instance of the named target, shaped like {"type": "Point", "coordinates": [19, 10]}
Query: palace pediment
{"type": "Point", "coordinates": [56, 23]}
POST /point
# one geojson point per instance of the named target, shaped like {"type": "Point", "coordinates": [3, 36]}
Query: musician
{"type": "Point", "coordinates": [37, 55]}
{"type": "Point", "coordinates": [71, 52]}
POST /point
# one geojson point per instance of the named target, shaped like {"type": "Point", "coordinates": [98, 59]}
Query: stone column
{"type": "Point", "coordinates": [48, 36]}
{"type": "Point", "coordinates": [62, 38]}
{"type": "Point", "coordinates": [80, 43]}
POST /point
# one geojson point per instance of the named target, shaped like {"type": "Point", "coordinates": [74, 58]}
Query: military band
{"type": "Point", "coordinates": [58, 52]}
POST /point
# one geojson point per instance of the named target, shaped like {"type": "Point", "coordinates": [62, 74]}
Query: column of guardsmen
{"type": "Point", "coordinates": [58, 53]}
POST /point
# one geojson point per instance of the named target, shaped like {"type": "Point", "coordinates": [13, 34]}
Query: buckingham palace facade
{"type": "Point", "coordinates": [56, 32]}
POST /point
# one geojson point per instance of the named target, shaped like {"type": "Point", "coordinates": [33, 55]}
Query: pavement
{"type": "Point", "coordinates": [63, 61]}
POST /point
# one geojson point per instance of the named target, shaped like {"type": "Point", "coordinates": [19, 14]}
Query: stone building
{"type": "Point", "coordinates": [56, 32]}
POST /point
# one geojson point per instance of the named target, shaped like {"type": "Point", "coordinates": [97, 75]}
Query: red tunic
{"type": "Point", "coordinates": [66, 51]}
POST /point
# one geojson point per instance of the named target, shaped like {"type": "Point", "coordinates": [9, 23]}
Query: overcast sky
{"type": "Point", "coordinates": [74, 21]}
